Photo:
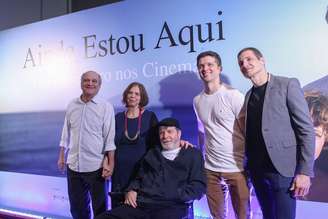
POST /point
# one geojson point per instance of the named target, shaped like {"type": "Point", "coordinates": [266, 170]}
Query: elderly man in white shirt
{"type": "Point", "coordinates": [88, 138]}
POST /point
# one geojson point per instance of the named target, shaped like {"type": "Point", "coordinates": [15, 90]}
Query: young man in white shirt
{"type": "Point", "coordinates": [217, 109]}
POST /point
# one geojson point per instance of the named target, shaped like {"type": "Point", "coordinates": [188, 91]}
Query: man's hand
{"type": "Point", "coordinates": [107, 171]}
{"type": "Point", "coordinates": [61, 160]}
{"type": "Point", "coordinates": [301, 185]}
{"type": "Point", "coordinates": [131, 198]}
{"type": "Point", "coordinates": [61, 164]}
{"type": "Point", "coordinates": [185, 144]}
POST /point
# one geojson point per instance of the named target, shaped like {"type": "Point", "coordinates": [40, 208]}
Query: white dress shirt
{"type": "Point", "coordinates": [88, 132]}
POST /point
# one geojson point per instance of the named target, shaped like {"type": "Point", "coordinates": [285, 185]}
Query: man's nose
{"type": "Point", "coordinates": [164, 135]}
{"type": "Point", "coordinates": [206, 67]}
{"type": "Point", "coordinates": [245, 64]}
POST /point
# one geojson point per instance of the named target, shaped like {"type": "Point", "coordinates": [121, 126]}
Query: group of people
{"type": "Point", "coordinates": [266, 137]}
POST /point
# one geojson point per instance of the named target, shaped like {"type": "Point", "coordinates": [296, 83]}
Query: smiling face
{"type": "Point", "coordinates": [133, 97]}
{"type": "Point", "coordinates": [251, 65]}
{"type": "Point", "coordinates": [90, 84]}
{"type": "Point", "coordinates": [169, 137]}
{"type": "Point", "coordinates": [209, 69]}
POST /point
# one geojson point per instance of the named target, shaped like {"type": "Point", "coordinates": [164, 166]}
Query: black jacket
{"type": "Point", "coordinates": [162, 181]}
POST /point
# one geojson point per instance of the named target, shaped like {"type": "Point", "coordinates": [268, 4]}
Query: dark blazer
{"type": "Point", "coordinates": [287, 128]}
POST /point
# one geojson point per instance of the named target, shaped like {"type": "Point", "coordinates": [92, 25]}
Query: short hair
{"type": "Point", "coordinates": [256, 52]}
{"type": "Point", "coordinates": [90, 71]}
{"type": "Point", "coordinates": [318, 106]}
{"type": "Point", "coordinates": [215, 55]}
{"type": "Point", "coordinates": [143, 94]}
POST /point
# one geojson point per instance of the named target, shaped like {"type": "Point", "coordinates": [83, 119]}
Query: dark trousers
{"type": "Point", "coordinates": [273, 194]}
{"type": "Point", "coordinates": [117, 199]}
{"type": "Point", "coordinates": [146, 212]}
{"type": "Point", "coordinates": [83, 187]}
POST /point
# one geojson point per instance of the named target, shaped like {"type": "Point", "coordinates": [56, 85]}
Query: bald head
{"type": "Point", "coordinates": [90, 84]}
{"type": "Point", "coordinates": [91, 72]}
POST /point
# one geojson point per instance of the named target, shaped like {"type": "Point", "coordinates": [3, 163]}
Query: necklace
{"type": "Point", "coordinates": [126, 126]}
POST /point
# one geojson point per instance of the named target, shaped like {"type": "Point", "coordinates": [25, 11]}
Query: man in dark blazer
{"type": "Point", "coordinates": [279, 137]}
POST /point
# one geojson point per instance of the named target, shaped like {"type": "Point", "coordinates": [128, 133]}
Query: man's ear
{"type": "Point", "coordinates": [179, 133]}
{"type": "Point", "coordinates": [221, 68]}
{"type": "Point", "coordinates": [262, 60]}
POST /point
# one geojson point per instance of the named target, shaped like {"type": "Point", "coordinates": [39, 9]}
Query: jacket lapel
{"type": "Point", "coordinates": [270, 84]}
{"type": "Point", "coordinates": [248, 94]}
{"type": "Point", "coordinates": [266, 97]}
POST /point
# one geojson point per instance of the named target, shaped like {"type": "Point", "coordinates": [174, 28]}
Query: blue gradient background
{"type": "Point", "coordinates": [293, 36]}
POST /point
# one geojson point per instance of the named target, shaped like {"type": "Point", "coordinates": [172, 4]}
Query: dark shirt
{"type": "Point", "coordinates": [256, 152]}
{"type": "Point", "coordinates": [319, 191]}
{"type": "Point", "coordinates": [128, 154]}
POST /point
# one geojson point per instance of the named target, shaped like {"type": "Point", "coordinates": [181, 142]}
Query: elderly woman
{"type": "Point", "coordinates": [135, 134]}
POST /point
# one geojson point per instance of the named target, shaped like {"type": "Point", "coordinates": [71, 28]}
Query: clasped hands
{"type": "Point", "coordinates": [107, 171]}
